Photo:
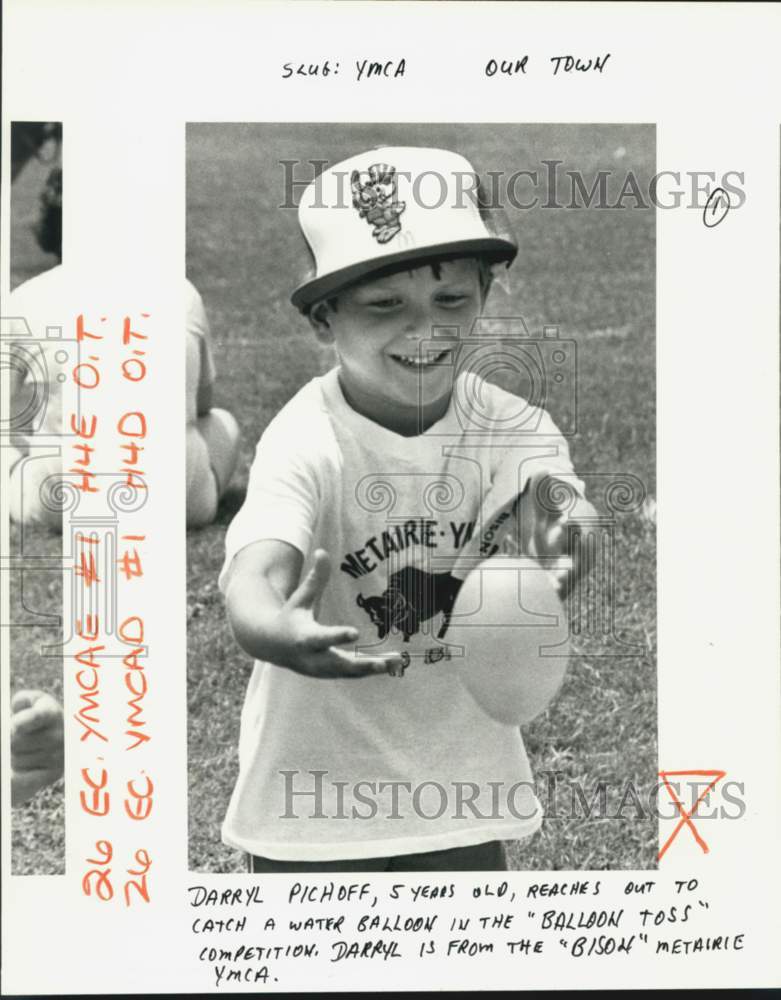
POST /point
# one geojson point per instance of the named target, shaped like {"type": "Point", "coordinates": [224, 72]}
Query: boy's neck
{"type": "Point", "coordinates": [405, 422]}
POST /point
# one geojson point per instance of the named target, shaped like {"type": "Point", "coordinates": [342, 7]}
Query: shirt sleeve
{"type": "Point", "coordinates": [282, 499]}
{"type": "Point", "coordinates": [544, 450]}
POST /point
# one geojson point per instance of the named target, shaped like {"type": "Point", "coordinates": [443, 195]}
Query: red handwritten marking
{"type": "Point", "coordinates": [85, 483]}
{"type": "Point", "coordinates": [90, 632]}
{"type": "Point", "coordinates": [686, 817]}
{"type": "Point", "coordinates": [128, 334]}
{"type": "Point", "coordinates": [135, 717]}
{"type": "Point", "coordinates": [82, 428]}
{"type": "Point", "coordinates": [86, 451]}
{"type": "Point", "coordinates": [131, 631]}
{"type": "Point", "coordinates": [102, 883]}
{"type": "Point", "coordinates": [106, 851]}
{"type": "Point", "coordinates": [138, 805]}
{"type": "Point", "coordinates": [133, 425]}
{"type": "Point", "coordinates": [94, 797]}
{"type": "Point", "coordinates": [142, 859]}
{"type": "Point", "coordinates": [81, 331]}
{"type": "Point", "coordinates": [130, 563]}
{"type": "Point", "coordinates": [133, 451]}
{"type": "Point", "coordinates": [86, 567]}
{"type": "Point", "coordinates": [100, 803]}
{"type": "Point", "coordinates": [86, 375]}
{"type": "Point", "coordinates": [97, 881]}
{"type": "Point", "coordinates": [90, 688]}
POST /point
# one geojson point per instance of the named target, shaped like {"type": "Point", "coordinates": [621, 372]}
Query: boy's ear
{"type": "Point", "coordinates": [318, 318]}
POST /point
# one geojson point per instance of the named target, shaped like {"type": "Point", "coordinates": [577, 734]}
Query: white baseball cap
{"type": "Point", "coordinates": [391, 205]}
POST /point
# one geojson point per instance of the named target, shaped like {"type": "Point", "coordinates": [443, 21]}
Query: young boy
{"type": "Point", "coordinates": [348, 553]}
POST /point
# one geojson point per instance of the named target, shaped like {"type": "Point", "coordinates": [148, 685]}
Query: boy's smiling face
{"type": "Point", "coordinates": [382, 330]}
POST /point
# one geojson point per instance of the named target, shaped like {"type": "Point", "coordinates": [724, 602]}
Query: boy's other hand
{"type": "Point", "coordinates": [36, 743]}
{"type": "Point", "coordinates": [313, 649]}
{"type": "Point", "coordinates": [555, 524]}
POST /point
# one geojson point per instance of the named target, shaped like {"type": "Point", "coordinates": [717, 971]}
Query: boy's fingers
{"type": "Point", "coordinates": [348, 665]}
{"type": "Point", "coordinates": [534, 518]}
{"type": "Point", "coordinates": [376, 664]}
{"type": "Point", "coordinates": [552, 536]}
{"type": "Point", "coordinates": [338, 635]}
{"type": "Point", "coordinates": [322, 637]}
{"type": "Point", "coordinates": [578, 544]}
{"type": "Point", "coordinates": [313, 584]}
{"type": "Point", "coordinates": [582, 548]}
{"type": "Point", "coordinates": [547, 500]}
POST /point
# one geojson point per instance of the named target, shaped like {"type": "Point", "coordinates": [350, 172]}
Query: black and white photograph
{"type": "Point", "coordinates": [389, 519]}
{"type": "Point", "coordinates": [421, 461]}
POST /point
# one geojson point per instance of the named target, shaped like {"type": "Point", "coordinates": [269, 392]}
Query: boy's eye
{"type": "Point", "coordinates": [390, 302]}
{"type": "Point", "coordinates": [453, 300]}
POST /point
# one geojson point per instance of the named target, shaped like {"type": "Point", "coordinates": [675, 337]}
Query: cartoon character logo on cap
{"type": "Point", "coordinates": [374, 195]}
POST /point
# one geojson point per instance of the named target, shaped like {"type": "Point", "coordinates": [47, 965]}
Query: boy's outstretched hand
{"type": "Point", "coordinates": [313, 648]}
{"type": "Point", "coordinates": [273, 617]}
{"type": "Point", "coordinates": [555, 523]}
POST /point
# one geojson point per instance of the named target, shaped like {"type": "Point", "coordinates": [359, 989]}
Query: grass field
{"type": "Point", "coordinates": [591, 272]}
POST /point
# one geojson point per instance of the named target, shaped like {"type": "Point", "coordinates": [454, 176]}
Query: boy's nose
{"type": "Point", "coordinates": [414, 335]}
{"type": "Point", "coordinates": [417, 326]}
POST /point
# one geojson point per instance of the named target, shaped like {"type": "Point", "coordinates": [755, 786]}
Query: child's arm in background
{"type": "Point", "coordinates": [272, 614]}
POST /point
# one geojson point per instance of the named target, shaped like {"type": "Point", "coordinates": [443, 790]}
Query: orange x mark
{"type": "Point", "coordinates": [686, 817]}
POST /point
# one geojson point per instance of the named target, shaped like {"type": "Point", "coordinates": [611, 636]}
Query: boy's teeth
{"type": "Point", "coordinates": [415, 360]}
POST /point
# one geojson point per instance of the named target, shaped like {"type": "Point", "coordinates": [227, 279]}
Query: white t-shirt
{"type": "Point", "coordinates": [380, 766]}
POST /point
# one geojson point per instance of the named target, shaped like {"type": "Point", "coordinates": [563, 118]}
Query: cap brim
{"type": "Point", "coordinates": [319, 288]}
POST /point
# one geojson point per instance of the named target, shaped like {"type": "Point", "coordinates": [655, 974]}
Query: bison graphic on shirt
{"type": "Point", "coordinates": [413, 596]}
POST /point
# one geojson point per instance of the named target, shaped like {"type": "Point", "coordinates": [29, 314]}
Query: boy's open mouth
{"type": "Point", "coordinates": [418, 361]}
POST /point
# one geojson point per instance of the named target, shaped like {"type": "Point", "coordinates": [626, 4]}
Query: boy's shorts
{"type": "Point", "coordinates": [489, 857]}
